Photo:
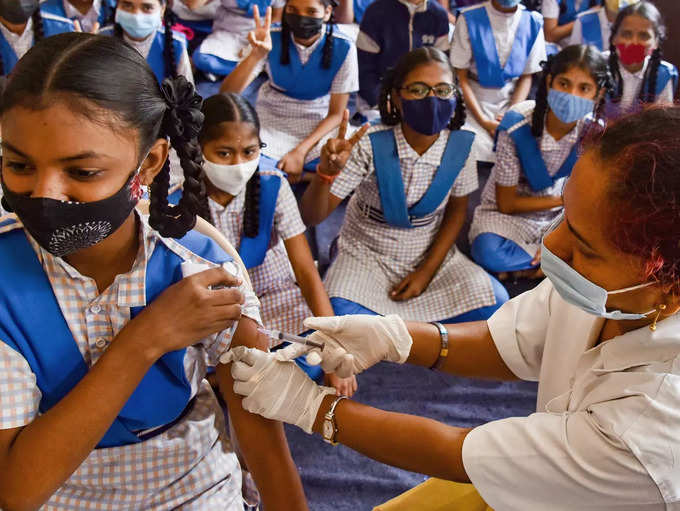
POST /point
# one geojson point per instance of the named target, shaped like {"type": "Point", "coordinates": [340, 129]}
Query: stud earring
{"type": "Point", "coordinates": [660, 308]}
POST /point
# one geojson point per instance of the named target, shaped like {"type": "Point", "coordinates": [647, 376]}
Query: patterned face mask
{"type": "Point", "coordinates": [64, 227]}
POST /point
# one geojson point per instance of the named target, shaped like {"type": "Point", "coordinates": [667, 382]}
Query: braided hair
{"type": "Point", "coordinates": [393, 80]}
{"type": "Point", "coordinates": [169, 54]}
{"type": "Point", "coordinates": [587, 58]}
{"type": "Point", "coordinates": [80, 68]}
{"type": "Point", "coordinates": [231, 107]}
{"type": "Point", "coordinates": [648, 11]}
{"type": "Point", "coordinates": [327, 46]}
{"type": "Point", "coordinates": [38, 33]}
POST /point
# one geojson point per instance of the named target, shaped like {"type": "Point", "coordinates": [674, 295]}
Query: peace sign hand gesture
{"type": "Point", "coordinates": [336, 151]}
{"type": "Point", "coordinates": [260, 39]}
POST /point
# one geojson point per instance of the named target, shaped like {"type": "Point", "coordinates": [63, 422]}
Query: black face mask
{"type": "Point", "coordinates": [18, 11]}
{"type": "Point", "coordinates": [63, 227]}
{"type": "Point", "coordinates": [304, 27]}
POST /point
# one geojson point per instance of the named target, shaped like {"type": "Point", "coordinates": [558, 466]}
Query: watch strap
{"type": "Point", "coordinates": [444, 351]}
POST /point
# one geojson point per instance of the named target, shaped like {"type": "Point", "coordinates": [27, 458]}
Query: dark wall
{"type": "Point", "coordinates": [671, 13]}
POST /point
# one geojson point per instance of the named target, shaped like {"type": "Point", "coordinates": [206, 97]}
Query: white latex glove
{"type": "Point", "coordinates": [365, 338]}
{"type": "Point", "coordinates": [274, 387]}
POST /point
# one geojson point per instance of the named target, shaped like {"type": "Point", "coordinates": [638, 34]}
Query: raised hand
{"type": "Point", "coordinates": [336, 151]}
{"type": "Point", "coordinates": [260, 38]}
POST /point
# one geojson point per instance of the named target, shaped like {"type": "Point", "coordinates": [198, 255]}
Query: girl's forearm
{"type": "Point", "coordinates": [242, 75]}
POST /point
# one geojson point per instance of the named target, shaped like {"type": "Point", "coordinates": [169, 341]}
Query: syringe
{"type": "Point", "coordinates": [280, 336]}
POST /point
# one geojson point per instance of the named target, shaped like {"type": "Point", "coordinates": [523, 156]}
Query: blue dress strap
{"type": "Point", "coordinates": [254, 250]}
{"type": "Point", "coordinates": [667, 73]}
{"type": "Point", "coordinates": [591, 30]}
{"type": "Point", "coordinates": [9, 56]}
{"type": "Point", "coordinates": [391, 184]}
{"type": "Point", "coordinates": [156, 56]}
{"type": "Point", "coordinates": [530, 155]}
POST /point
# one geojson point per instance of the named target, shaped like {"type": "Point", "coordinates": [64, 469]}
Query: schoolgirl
{"type": "Point", "coordinates": [228, 43]}
{"type": "Point", "coordinates": [22, 24]}
{"type": "Point", "coordinates": [146, 25]}
{"type": "Point", "coordinates": [251, 203]}
{"type": "Point", "coordinates": [641, 76]}
{"type": "Point", "coordinates": [559, 17]}
{"type": "Point", "coordinates": [497, 46]}
{"type": "Point", "coordinates": [536, 150]}
{"type": "Point", "coordinates": [413, 23]}
{"type": "Point", "coordinates": [196, 17]}
{"type": "Point", "coordinates": [411, 177]}
{"type": "Point", "coordinates": [594, 25]}
{"type": "Point", "coordinates": [106, 393]}
{"type": "Point", "coordinates": [311, 69]}
{"type": "Point", "coordinates": [87, 15]}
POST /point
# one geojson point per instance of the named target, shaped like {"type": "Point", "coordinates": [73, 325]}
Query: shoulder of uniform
{"type": "Point", "coordinates": [537, 16]}
{"type": "Point", "coordinates": [56, 18]}
{"type": "Point", "coordinates": [466, 10]}
{"type": "Point", "coordinates": [107, 30]}
{"type": "Point", "coordinates": [9, 222]}
{"type": "Point", "coordinates": [379, 126]}
{"type": "Point", "coordinates": [526, 108]}
{"type": "Point", "coordinates": [671, 67]}
{"type": "Point", "coordinates": [339, 34]}
{"type": "Point", "coordinates": [593, 10]}
{"type": "Point", "coordinates": [272, 172]}
{"type": "Point", "coordinates": [179, 37]}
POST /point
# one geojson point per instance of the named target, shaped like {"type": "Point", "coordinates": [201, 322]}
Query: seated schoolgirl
{"type": "Point", "coordinates": [87, 15]}
{"type": "Point", "coordinates": [413, 23]}
{"type": "Point", "coordinates": [536, 150]}
{"type": "Point", "coordinates": [411, 177]}
{"type": "Point", "coordinates": [23, 24]}
{"type": "Point", "coordinates": [311, 70]}
{"type": "Point", "coordinates": [196, 19]}
{"type": "Point", "coordinates": [594, 25]}
{"type": "Point", "coordinates": [106, 393]}
{"type": "Point", "coordinates": [559, 17]}
{"type": "Point", "coordinates": [228, 43]}
{"type": "Point", "coordinates": [251, 203]}
{"type": "Point", "coordinates": [146, 26]}
{"type": "Point", "coordinates": [497, 47]}
{"type": "Point", "coordinates": [640, 75]}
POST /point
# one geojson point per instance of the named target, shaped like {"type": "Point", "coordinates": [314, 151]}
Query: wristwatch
{"type": "Point", "coordinates": [330, 428]}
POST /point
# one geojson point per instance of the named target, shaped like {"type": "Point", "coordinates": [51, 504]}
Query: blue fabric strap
{"type": "Point", "coordinates": [254, 250]}
{"type": "Point", "coordinates": [489, 71]}
{"type": "Point", "coordinates": [530, 156]}
{"type": "Point", "coordinates": [308, 81]}
{"type": "Point", "coordinates": [52, 353]}
{"type": "Point", "coordinates": [391, 183]}
{"type": "Point", "coordinates": [9, 56]}
{"type": "Point", "coordinates": [667, 73]}
{"type": "Point", "coordinates": [156, 57]}
{"type": "Point", "coordinates": [591, 30]}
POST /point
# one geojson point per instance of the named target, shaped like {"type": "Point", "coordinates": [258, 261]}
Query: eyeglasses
{"type": "Point", "coordinates": [420, 90]}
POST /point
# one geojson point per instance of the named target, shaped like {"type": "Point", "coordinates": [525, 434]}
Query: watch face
{"type": "Point", "coordinates": [328, 430]}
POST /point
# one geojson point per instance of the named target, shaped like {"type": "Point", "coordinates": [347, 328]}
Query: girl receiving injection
{"type": "Point", "coordinates": [250, 203]}
{"type": "Point", "coordinates": [536, 150]}
{"type": "Point", "coordinates": [311, 69]}
{"type": "Point", "coordinates": [107, 392]}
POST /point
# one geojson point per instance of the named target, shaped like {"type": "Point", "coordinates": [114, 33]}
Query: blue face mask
{"type": "Point", "coordinates": [577, 290]}
{"type": "Point", "coordinates": [508, 3]}
{"type": "Point", "coordinates": [429, 115]}
{"type": "Point", "coordinates": [567, 107]}
{"type": "Point", "coordinates": [140, 25]}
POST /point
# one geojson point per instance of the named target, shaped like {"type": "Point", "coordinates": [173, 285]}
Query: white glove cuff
{"type": "Point", "coordinates": [401, 339]}
{"type": "Point", "coordinates": [306, 421]}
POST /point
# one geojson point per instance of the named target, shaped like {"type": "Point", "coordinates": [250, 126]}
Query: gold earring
{"type": "Point", "coordinates": [660, 308]}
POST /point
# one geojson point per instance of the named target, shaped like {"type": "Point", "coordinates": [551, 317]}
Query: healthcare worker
{"type": "Point", "coordinates": [601, 335]}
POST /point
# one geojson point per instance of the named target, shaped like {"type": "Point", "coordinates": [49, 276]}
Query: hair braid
{"type": "Point", "coordinates": [460, 114]}
{"type": "Point", "coordinates": [648, 89]}
{"type": "Point", "coordinates": [181, 123]}
{"type": "Point", "coordinates": [328, 44]}
{"type": "Point", "coordinates": [169, 54]}
{"type": "Point", "coordinates": [541, 108]}
{"type": "Point", "coordinates": [388, 111]}
{"type": "Point", "coordinates": [285, 42]}
{"type": "Point", "coordinates": [617, 79]}
{"type": "Point", "coordinates": [38, 26]}
{"type": "Point", "coordinates": [251, 215]}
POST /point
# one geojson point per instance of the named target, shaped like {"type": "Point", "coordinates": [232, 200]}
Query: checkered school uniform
{"type": "Point", "coordinates": [525, 229]}
{"type": "Point", "coordinates": [283, 307]}
{"type": "Point", "coordinates": [373, 257]}
{"type": "Point", "coordinates": [191, 466]}
{"type": "Point", "coordinates": [288, 121]}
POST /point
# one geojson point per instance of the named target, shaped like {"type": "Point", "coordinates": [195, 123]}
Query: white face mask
{"type": "Point", "coordinates": [230, 178]}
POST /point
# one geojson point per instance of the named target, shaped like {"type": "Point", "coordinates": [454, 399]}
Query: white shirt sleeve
{"type": "Point", "coordinates": [346, 80]}
{"type": "Point", "coordinates": [519, 329]}
{"type": "Point", "coordinates": [666, 96]}
{"type": "Point", "coordinates": [19, 393]}
{"type": "Point", "coordinates": [536, 56]}
{"type": "Point", "coordinates": [560, 461]}
{"type": "Point", "coordinates": [461, 50]}
{"type": "Point", "coordinates": [550, 9]}
{"type": "Point", "coordinates": [576, 33]}
{"type": "Point", "coordinates": [468, 180]}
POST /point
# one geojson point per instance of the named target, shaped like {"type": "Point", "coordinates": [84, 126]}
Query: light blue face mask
{"type": "Point", "coordinates": [567, 107]}
{"type": "Point", "coordinates": [508, 3]}
{"type": "Point", "coordinates": [577, 290]}
{"type": "Point", "coordinates": [140, 25]}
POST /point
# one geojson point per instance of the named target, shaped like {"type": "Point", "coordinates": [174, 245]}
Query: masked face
{"type": "Point", "coordinates": [303, 27]}
{"type": "Point", "coordinates": [139, 25]}
{"type": "Point", "coordinates": [230, 178]}
{"type": "Point", "coordinates": [429, 115]}
{"type": "Point", "coordinates": [567, 107]}
{"type": "Point", "coordinates": [18, 11]}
